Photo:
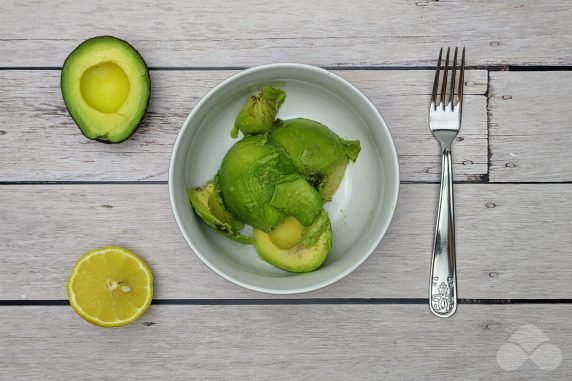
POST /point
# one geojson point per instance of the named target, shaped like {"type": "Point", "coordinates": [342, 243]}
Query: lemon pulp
{"type": "Point", "coordinates": [104, 87]}
{"type": "Point", "coordinates": [110, 287]}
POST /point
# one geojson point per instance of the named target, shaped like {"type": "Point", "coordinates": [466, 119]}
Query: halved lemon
{"type": "Point", "coordinates": [110, 287]}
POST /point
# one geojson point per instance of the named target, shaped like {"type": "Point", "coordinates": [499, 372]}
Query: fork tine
{"type": "Point", "coordinates": [444, 86]}
{"type": "Point", "coordinates": [462, 79]}
{"type": "Point", "coordinates": [453, 76]}
{"type": "Point", "coordinates": [436, 82]}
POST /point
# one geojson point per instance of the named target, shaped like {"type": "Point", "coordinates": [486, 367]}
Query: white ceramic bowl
{"type": "Point", "coordinates": [361, 210]}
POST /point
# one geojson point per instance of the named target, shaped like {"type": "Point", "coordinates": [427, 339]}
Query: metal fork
{"type": "Point", "coordinates": [445, 121]}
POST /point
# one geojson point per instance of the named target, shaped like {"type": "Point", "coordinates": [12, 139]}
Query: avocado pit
{"type": "Point", "coordinates": [288, 234]}
{"type": "Point", "coordinates": [104, 87]}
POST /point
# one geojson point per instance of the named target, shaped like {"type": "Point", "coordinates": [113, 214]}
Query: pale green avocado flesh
{"type": "Point", "coordinates": [306, 256]}
{"type": "Point", "coordinates": [261, 186]}
{"type": "Point", "coordinates": [105, 85]}
{"type": "Point", "coordinates": [317, 152]}
{"type": "Point", "coordinates": [210, 208]}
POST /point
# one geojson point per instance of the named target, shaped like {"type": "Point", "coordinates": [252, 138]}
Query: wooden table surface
{"type": "Point", "coordinates": [63, 195]}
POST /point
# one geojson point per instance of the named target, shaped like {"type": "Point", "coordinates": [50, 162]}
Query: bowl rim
{"type": "Point", "coordinates": [375, 243]}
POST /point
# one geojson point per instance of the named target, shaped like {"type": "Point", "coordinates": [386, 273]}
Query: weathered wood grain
{"type": "Point", "coordinates": [40, 141]}
{"type": "Point", "coordinates": [306, 342]}
{"type": "Point", "coordinates": [244, 33]}
{"type": "Point", "coordinates": [513, 240]}
{"type": "Point", "coordinates": [507, 245]}
{"type": "Point", "coordinates": [530, 132]}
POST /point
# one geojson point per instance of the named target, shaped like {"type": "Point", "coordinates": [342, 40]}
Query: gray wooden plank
{"type": "Point", "coordinates": [508, 246]}
{"type": "Point", "coordinates": [308, 342]}
{"type": "Point", "coordinates": [530, 132]}
{"type": "Point", "coordinates": [41, 142]}
{"type": "Point", "coordinates": [366, 32]}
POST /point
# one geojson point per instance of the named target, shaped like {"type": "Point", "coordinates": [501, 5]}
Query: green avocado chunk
{"type": "Point", "coordinates": [318, 153]}
{"type": "Point", "coordinates": [209, 207]}
{"type": "Point", "coordinates": [105, 85]}
{"type": "Point", "coordinates": [258, 114]}
{"type": "Point", "coordinates": [261, 186]}
{"type": "Point", "coordinates": [307, 255]}
{"type": "Point", "coordinates": [312, 233]}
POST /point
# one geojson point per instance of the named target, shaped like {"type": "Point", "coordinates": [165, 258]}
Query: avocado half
{"type": "Point", "coordinates": [106, 86]}
{"type": "Point", "coordinates": [295, 248]}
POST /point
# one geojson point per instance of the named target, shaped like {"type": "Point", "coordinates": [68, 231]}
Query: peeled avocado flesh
{"type": "Point", "coordinates": [211, 210]}
{"type": "Point", "coordinates": [317, 152]}
{"type": "Point", "coordinates": [276, 179]}
{"type": "Point", "coordinates": [261, 186]}
{"type": "Point", "coordinates": [105, 85]}
{"type": "Point", "coordinates": [307, 254]}
{"type": "Point", "coordinates": [259, 113]}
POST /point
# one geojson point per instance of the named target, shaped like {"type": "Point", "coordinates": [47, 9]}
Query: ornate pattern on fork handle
{"type": "Point", "coordinates": [442, 296]}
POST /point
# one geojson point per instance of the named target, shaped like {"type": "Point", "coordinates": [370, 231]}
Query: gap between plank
{"type": "Point", "coordinates": [341, 68]}
{"type": "Point", "coordinates": [311, 301]}
{"type": "Point", "coordinates": [486, 177]}
{"type": "Point", "coordinates": [483, 179]}
{"type": "Point", "coordinates": [231, 68]}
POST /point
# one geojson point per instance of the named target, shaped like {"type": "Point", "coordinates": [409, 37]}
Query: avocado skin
{"type": "Point", "coordinates": [145, 107]}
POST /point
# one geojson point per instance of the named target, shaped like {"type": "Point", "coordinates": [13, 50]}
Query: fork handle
{"type": "Point", "coordinates": [443, 281]}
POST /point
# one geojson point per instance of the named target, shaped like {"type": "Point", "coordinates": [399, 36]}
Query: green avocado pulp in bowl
{"type": "Point", "coordinates": [318, 153]}
{"type": "Point", "coordinates": [277, 179]}
{"type": "Point", "coordinates": [261, 186]}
